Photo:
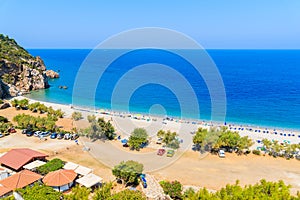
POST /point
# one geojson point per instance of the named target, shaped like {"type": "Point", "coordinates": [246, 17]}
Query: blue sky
{"type": "Point", "coordinates": [268, 24]}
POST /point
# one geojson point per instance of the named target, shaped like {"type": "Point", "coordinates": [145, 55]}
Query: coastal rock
{"type": "Point", "coordinates": [20, 72]}
{"type": "Point", "coordinates": [52, 74]}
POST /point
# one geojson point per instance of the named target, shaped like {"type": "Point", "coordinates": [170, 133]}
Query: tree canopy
{"type": "Point", "coordinates": [99, 129]}
{"type": "Point", "coordinates": [173, 189]}
{"type": "Point", "coordinates": [262, 190]}
{"type": "Point", "coordinates": [39, 192]}
{"type": "Point", "coordinates": [103, 192]}
{"type": "Point", "coordinates": [128, 171]}
{"type": "Point", "coordinates": [128, 195]}
{"type": "Point", "coordinates": [217, 138]}
{"type": "Point", "coordinates": [169, 138]}
{"type": "Point", "coordinates": [138, 137]}
{"type": "Point", "coordinates": [78, 193]}
{"type": "Point", "coordinates": [36, 123]}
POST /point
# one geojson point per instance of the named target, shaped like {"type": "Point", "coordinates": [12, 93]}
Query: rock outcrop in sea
{"type": "Point", "coordinates": [20, 72]}
{"type": "Point", "coordinates": [52, 74]}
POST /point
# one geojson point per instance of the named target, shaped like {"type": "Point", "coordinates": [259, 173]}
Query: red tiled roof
{"type": "Point", "coordinates": [20, 180]}
{"type": "Point", "coordinates": [4, 190]}
{"type": "Point", "coordinates": [60, 177]}
{"type": "Point", "coordinates": [17, 158]}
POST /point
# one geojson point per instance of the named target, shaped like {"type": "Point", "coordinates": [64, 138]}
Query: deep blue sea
{"type": "Point", "coordinates": [262, 86]}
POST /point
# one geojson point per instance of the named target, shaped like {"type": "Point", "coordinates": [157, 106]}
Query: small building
{"type": "Point", "coordinates": [90, 180]}
{"type": "Point", "coordinates": [4, 173]}
{"type": "Point", "coordinates": [60, 180]}
{"type": "Point", "coordinates": [18, 180]}
{"type": "Point", "coordinates": [34, 165]}
{"type": "Point", "coordinates": [4, 191]}
{"type": "Point", "coordinates": [81, 170]}
{"type": "Point", "coordinates": [16, 158]}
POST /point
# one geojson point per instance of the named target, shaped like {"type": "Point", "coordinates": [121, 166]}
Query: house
{"type": "Point", "coordinates": [60, 180]}
{"type": "Point", "coordinates": [4, 191]}
{"type": "Point", "coordinates": [4, 173]}
{"type": "Point", "coordinates": [81, 170]}
{"type": "Point", "coordinates": [34, 165]}
{"type": "Point", "coordinates": [16, 158]}
{"type": "Point", "coordinates": [90, 180]}
{"type": "Point", "coordinates": [18, 180]}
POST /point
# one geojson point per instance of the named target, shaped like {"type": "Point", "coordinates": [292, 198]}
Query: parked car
{"type": "Point", "coordinates": [143, 180]}
{"type": "Point", "coordinates": [53, 135]}
{"type": "Point", "coordinates": [60, 136]}
{"type": "Point", "coordinates": [159, 141]}
{"type": "Point", "coordinates": [37, 133]}
{"type": "Point", "coordinates": [161, 152]}
{"type": "Point", "coordinates": [170, 153]}
{"type": "Point", "coordinates": [1, 135]}
{"type": "Point", "coordinates": [74, 136]}
{"type": "Point", "coordinates": [44, 134]}
{"type": "Point", "coordinates": [67, 136]}
{"type": "Point", "coordinates": [29, 133]}
{"type": "Point", "coordinates": [125, 145]}
{"type": "Point", "coordinates": [11, 130]}
{"type": "Point", "coordinates": [221, 153]}
{"type": "Point", "coordinates": [24, 131]}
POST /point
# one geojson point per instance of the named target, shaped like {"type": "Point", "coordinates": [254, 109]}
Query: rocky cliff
{"type": "Point", "coordinates": [20, 72]}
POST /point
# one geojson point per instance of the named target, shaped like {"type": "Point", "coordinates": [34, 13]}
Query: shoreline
{"type": "Point", "coordinates": [233, 122]}
{"type": "Point", "coordinates": [137, 119]}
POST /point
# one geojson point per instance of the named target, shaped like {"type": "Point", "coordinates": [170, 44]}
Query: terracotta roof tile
{"type": "Point", "coordinates": [4, 190]}
{"type": "Point", "coordinates": [17, 158]}
{"type": "Point", "coordinates": [60, 177]}
{"type": "Point", "coordinates": [20, 180]}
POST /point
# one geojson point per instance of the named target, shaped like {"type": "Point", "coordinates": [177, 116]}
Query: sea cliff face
{"type": "Point", "coordinates": [20, 72]}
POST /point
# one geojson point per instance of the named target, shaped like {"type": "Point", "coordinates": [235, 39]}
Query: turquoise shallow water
{"type": "Point", "coordinates": [262, 86]}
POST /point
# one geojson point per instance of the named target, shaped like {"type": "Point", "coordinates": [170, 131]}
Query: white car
{"type": "Point", "coordinates": [37, 133]}
{"type": "Point", "coordinates": [221, 153]}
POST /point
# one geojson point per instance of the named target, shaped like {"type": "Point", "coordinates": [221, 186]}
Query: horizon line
{"type": "Point", "coordinates": [44, 48]}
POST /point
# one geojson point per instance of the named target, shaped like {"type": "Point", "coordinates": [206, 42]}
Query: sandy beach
{"type": "Point", "coordinates": [187, 166]}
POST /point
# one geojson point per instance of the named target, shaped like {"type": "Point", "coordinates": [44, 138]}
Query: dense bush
{"type": "Point", "coordinates": [262, 190]}
{"type": "Point", "coordinates": [138, 137]}
{"type": "Point", "coordinates": [128, 171]}
{"type": "Point", "coordinates": [39, 192]}
{"type": "Point", "coordinates": [169, 138]}
{"type": "Point", "coordinates": [99, 129]}
{"type": "Point", "coordinates": [128, 195]}
{"type": "Point", "coordinates": [50, 166]}
{"type": "Point", "coordinates": [3, 119]}
{"type": "Point", "coordinates": [78, 193]}
{"type": "Point", "coordinates": [217, 138]}
{"type": "Point", "coordinates": [256, 152]}
{"type": "Point", "coordinates": [36, 123]}
{"type": "Point", "coordinates": [173, 189]}
{"type": "Point", "coordinates": [76, 116]}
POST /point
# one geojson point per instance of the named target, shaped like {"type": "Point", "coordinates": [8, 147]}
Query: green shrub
{"type": "Point", "coordinates": [256, 152]}
{"type": "Point", "coordinates": [3, 119]}
{"type": "Point", "coordinates": [76, 116]}
{"type": "Point", "coordinates": [173, 189]}
{"type": "Point", "coordinates": [39, 192]}
{"type": "Point", "coordinates": [50, 166]}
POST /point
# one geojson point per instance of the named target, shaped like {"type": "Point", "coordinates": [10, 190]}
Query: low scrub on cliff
{"type": "Point", "coordinates": [19, 71]}
{"type": "Point", "coordinates": [11, 51]}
